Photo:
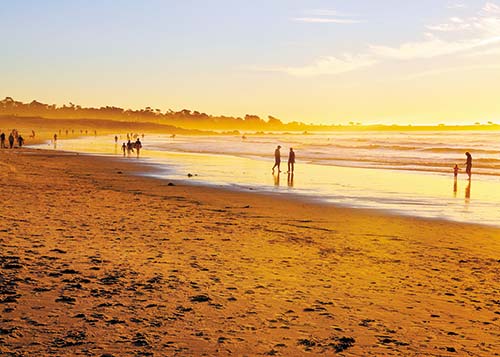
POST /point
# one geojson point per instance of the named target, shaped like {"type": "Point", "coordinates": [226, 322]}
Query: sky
{"type": "Point", "coordinates": [316, 61]}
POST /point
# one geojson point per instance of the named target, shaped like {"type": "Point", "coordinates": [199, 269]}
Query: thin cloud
{"type": "Point", "coordinates": [456, 6]}
{"type": "Point", "coordinates": [436, 72]}
{"type": "Point", "coordinates": [463, 36]}
{"type": "Point", "coordinates": [325, 20]}
{"type": "Point", "coordinates": [433, 47]}
{"type": "Point", "coordinates": [325, 12]}
{"type": "Point", "coordinates": [324, 16]}
{"type": "Point", "coordinates": [327, 66]}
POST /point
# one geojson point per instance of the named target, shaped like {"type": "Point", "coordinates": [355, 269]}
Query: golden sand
{"type": "Point", "coordinates": [95, 260]}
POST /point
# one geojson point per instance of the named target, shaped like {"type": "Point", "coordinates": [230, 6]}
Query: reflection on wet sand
{"type": "Point", "coordinates": [455, 187]}
{"type": "Point", "coordinates": [290, 179]}
{"type": "Point", "coordinates": [276, 179]}
{"type": "Point", "coordinates": [467, 192]}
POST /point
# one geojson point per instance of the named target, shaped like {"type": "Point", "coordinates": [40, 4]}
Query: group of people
{"type": "Point", "coordinates": [277, 160]}
{"type": "Point", "coordinates": [129, 147]}
{"type": "Point", "coordinates": [468, 166]}
{"type": "Point", "coordinates": [15, 140]}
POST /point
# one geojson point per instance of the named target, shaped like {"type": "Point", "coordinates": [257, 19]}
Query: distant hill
{"type": "Point", "coordinates": [191, 120]}
{"type": "Point", "coordinates": [26, 122]}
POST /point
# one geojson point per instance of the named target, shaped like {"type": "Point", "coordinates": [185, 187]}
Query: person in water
{"type": "Point", "coordinates": [468, 164]}
{"type": "Point", "coordinates": [277, 159]}
{"type": "Point", "coordinates": [291, 160]}
{"type": "Point", "coordinates": [455, 171]}
{"type": "Point", "coordinates": [137, 146]}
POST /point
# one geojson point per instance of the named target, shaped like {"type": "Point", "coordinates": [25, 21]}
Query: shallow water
{"type": "Point", "coordinates": [416, 189]}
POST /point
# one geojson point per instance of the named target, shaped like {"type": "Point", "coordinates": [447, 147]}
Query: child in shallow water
{"type": "Point", "coordinates": [455, 170]}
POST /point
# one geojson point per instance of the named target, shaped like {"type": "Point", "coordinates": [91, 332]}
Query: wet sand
{"type": "Point", "coordinates": [97, 261]}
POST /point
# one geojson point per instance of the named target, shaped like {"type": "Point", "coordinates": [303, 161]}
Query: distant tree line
{"type": "Point", "coordinates": [195, 120]}
{"type": "Point", "coordinates": [184, 118]}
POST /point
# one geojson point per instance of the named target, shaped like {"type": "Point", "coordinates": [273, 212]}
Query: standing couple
{"type": "Point", "coordinates": [277, 159]}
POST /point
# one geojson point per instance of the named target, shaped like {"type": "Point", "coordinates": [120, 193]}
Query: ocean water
{"type": "Point", "coordinates": [409, 173]}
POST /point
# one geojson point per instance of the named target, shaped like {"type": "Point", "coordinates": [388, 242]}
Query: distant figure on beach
{"type": "Point", "coordinates": [468, 164]}
{"type": "Point", "coordinates": [2, 141]}
{"type": "Point", "coordinates": [11, 140]}
{"type": "Point", "coordinates": [55, 137]}
{"type": "Point", "coordinates": [116, 139]}
{"type": "Point", "coordinates": [137, 146]}
{"type": "Point", "coordinates": [124, 149]}
{"type": "Point", "coordinates": [130, 148]}
{"type": "Point", "coordinates": [20, 141]}
{"type": "Point", "coordinates": [33, 134]}
{"type": "Point", "coordinates": [455, 170]}
{"type": "Point", "coordinates": [277, 159]}
{"type": "Point", "coordinates": [291, 160]}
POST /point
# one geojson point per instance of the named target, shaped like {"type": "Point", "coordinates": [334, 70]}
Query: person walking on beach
{"type": "Point", "coordinates": [291, 160]}
{"type": "Point", "coordinates": [124, 149]}
{"type": "Point", "coordinates": [20, 141]}
{"type": "Point", "coordinates": [468, 164]}
{"type": "Point", "coordinates": [130, 148]}
{"type": "Point", "coordinates": [11, 140]}
{"type": "Point", "coordinates": [116, 139]}
{"type": "Point", "coordinates": [455, 171]}
{"type": "Point", "coordinates": [55, 138]}
{"type": "Point", "coordinates": [277, 159]}
{"type": "Point", "coordinates": [2, 141]}
{"type": "Point", "coordinates": [137, 146]}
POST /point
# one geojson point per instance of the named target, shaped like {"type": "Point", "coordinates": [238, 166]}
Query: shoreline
{"type": "Point", "coordinates": [96, 260]}
{"type": "Point", "coordinates": [365, 202]}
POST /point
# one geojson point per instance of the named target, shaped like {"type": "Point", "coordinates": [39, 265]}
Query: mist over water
{"type": "Point", "coordinates": [405, 173]}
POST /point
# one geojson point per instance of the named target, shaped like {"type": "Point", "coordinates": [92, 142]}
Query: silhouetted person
{"type": "Point", "coordinates": [291, 160]}
{"type": "Point", "coordinates": [138, 146]}
{"type": "Point", "coordinates": [116, 139]}
{"type": "Point", "coordinates": [2, 141]}
{"type": "Point", "coordinates": [468, 164]}
{"type": "Point", "coordinates": [277, 159]}
{"type": "Point", "coordinates": [11, 141]}
{"type": "Point", "coordinates": [124, 148]}
{"type": "Point", "coordinates": [455, 171]}
{"type": "Point", "coordinates": [20, 141]}
{"type": "Point", "coordinates": [55, 138]}
{"type": "Point", "coordinates": [130, 148]}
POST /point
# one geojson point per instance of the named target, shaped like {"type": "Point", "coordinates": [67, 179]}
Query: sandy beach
{"type": "Point", "coordinates": [98, 261]}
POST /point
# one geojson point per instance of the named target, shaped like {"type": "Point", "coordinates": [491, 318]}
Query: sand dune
{"type": "Point", "coordinates": [95, 260]}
